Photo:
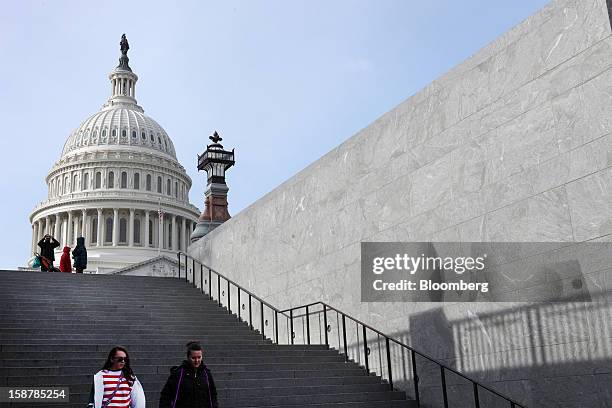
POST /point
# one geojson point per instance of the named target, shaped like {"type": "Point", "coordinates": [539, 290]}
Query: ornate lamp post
{"type": "Point", "coordinates": [215, 161]}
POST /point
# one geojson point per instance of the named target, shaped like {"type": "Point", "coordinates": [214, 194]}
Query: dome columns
{"type": "Point", "coordinates": [99, 228]}
{"type": "Point", "coordinates": [126, 228]}
{"type": "Point", "coordinates": [69, 229]}
{"type": "Point", "coordinates": [131, 234]}
{"type": "Point", "coordinates": [147, 229]}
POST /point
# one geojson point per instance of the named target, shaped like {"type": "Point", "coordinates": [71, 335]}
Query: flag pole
{"type": "Point", "coordinates": [160, 217]}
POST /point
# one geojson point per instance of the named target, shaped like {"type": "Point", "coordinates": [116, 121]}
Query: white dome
{"type": "Point", "coordinates": [118, 184]}
{"type": "Point", "coordinates": [119, 125]}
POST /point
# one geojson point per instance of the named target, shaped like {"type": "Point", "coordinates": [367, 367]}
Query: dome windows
{"type": "Point", "coordinates": [94, 230]}
{"type": "Point", "coordinates": [137, 231]}
{"type": "Point", "coordinates": [150, 232]}
{"type": "Point", "coordinates": [123, 231]}
{"type": "Point", "coordinates": [108, 235]}
{"type": "Point", "coordinates": [114, 178]}
{"type": "Point", "coordinates": [120, 126]}
{"type": "Point", "coordinates": [98, 180]}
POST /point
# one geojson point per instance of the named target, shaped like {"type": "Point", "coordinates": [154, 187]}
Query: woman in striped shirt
{"type": "Point", "coordinates": [116, 386]}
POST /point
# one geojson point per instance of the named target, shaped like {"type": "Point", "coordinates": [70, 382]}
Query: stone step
{"type": "Point", "coordinates": [170, 361]}
{"type": "Point", "coordinates": [84, 380]}
{"type": "Point", "coordinates": [141, 346]}
{"type": "Point", "coordinates": [112, 325]}
{"type": "Point", "coordinates": [177, 354]}
{"type": "Point", "coordinates": [222, 371]}
{"type": "Point", "coordinates": [107, 319]}
{"type": "Point", "coordinates": [162, 331]}
{"type": "Point", "coordinates": [261, 388]}
{"type": "Point", "coordinates": [303, 404]}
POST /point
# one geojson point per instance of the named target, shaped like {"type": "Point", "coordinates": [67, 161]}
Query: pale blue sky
{"type": "Point", "coordinates": [292, 77]}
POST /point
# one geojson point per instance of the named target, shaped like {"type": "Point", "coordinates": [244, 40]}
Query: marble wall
{"type": "Point", "coordinates": [514, 144]}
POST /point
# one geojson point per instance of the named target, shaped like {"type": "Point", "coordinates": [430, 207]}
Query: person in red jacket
{"type": "Point", "coordinates": [65, 262]}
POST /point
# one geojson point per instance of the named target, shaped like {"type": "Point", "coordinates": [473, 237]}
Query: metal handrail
{"type": "Point", "coordinates": [413, 351]}
{"type": "Point", "coordinates": [250, 294]}
{"type": "Point", "coordinates": [228, 280]}
{"type": "Point", "coordinates": [291, 316]}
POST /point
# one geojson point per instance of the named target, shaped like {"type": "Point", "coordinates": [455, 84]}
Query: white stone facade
{"type": "Point", "coordinates": [119, 184]}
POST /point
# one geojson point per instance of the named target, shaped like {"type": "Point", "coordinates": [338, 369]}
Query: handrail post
{"type": "Point", "coordinates": [389, 366]}
{"type": "Point", "coordinates": [179, 263]}
{"type": "Point", "coordinates": [239, 306]}
{"type": "Point", "coordinates": [192, 271]}
{"type": "Point", "coordinates": [229, 299]}
{"type": "Point", "coordinates": [365, 350]}
{"type": "Point", "coordinates": [476, 399]}
{"type": "Point", "coordinates": [325, 323]}
{"type": "Point", "coordinates": [344, 337]}
{"type": "Point", "coordinates": [291, 328]}
{"type": "Point", "coordinates": [250, 313]}
{"type": "Point", "coordinates": [444, 393]}
{"type": "Point", "coordinates": [202, 277]}
{"type": "Point", "coordinates": [276, 324]}
{"type": "Point", "coordinates": [415, 379]}
{"type": "Point", "coordinates": [263, 335]}
{"type": "Point", "coordinates": [307, 326]}
{"type": "Point", "coordinates": [219, 289]}
{"type": "Point", "coordinates": [210, 284]}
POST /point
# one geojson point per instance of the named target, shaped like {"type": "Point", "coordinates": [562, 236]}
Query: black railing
{"type": "Point", "coordinates": [261, 315]}
{"type": "Point", "coordinates": [358, 344]}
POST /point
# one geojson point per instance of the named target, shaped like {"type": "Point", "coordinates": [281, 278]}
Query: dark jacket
{"type": "Point", "coordinates": [46, 248]}
{"type": "Point", "coordinates": [79, 253]}
{"type": "Point", "coordinates": [65, 264]}
{"type": "Point", "coordinates": [197, 389]}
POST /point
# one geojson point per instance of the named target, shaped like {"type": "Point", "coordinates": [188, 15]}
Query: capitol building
{"type": "Point", "coordinates": [119, 184]}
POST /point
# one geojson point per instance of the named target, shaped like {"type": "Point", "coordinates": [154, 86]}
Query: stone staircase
{"type": "Point", "coordinates": [56, 330]}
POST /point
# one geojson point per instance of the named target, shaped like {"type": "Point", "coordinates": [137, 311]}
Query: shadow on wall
{"type": "Point", "coordinates": [544, 355]}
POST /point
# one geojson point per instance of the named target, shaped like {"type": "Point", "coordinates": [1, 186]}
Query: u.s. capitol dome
{"type": "Point", "coordinates": [119, 184]}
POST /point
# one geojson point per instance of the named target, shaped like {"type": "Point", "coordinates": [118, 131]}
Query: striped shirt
{"type": "Point", "coordinates": [121, 399]}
